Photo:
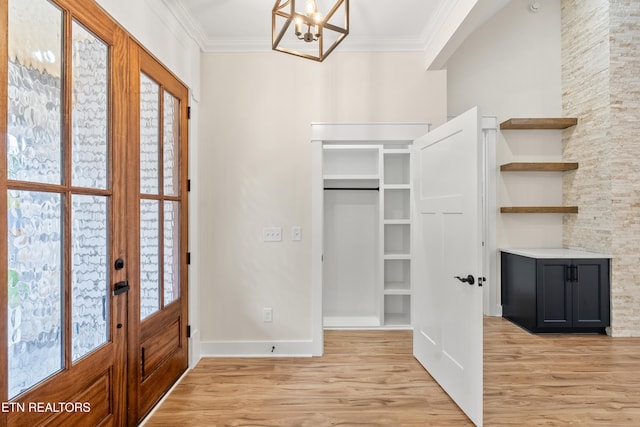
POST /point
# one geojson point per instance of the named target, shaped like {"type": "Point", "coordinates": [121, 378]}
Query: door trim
{"type": "Point", "coordinates": [491, 294]}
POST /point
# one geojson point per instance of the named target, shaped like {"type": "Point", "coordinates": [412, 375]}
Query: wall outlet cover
{"type": "Point", "coordinates": [272, 234]}
{"type": "Point", "coordinates": [267, 314]}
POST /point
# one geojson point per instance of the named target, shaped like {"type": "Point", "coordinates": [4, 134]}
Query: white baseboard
{"type": "Point", "coordinates": [195, 348]}
{"type": "Point", "coordinates": [274, 348]}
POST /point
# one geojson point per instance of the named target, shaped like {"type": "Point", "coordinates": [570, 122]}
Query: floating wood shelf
{"type": "Point", "coordinates": [539, 167]}
{"type": "Point", "coordinates": [540, 209]}
{"type": "Point", "coordinates": [539, 123]}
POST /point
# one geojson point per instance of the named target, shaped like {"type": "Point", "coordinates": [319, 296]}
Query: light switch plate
{"type": "Point", "coordinates": [296, 233]}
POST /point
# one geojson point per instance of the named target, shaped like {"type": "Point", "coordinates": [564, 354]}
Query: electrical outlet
{"type": "Point", "coordinates": [272, 234]}
{"type": "Point", "coordinates": [267, 314]}
{"type": "Point", "coordinates": [296, 233]}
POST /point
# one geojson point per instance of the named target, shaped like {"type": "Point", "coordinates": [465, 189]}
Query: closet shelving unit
{"type": "Point", "coordinates": [397, 236]}
{"type": "Point", "coordinates": [361, 292]}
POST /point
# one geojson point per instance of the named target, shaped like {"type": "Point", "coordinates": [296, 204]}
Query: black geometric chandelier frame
{"type": "Point", "coordinates": [309, 27]}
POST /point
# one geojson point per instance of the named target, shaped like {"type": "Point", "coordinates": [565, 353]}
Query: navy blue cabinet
{"type": "Point", "coordinates": [556, 294]}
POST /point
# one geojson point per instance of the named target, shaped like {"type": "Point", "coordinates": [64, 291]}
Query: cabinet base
{"type": "Point", "coordinates": [550, 330]}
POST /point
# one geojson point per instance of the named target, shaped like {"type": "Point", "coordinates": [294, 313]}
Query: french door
{"type": "Point", "coordinates": [78, 241]}
{"type": "Point", "coordinates": [158, 208]}
{"type": "Point", "coordinates": [63, 214]}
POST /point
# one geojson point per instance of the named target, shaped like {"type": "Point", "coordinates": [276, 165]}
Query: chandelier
{"type": "Point", "coordinates": [313, 35]}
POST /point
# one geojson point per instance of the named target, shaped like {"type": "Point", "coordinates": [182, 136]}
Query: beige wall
{"type": "Point", "coordinates": [255, 160]}
{"type": "Point", "coordinates": [601, 78]}
{"type": "Point", "coordinates": [510, 67]}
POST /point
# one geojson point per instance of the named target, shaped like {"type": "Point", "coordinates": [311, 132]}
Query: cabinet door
{"type": "Point", "coordinates": [553, 297]}
{"type": "Point", "coordinates": [590, 293]}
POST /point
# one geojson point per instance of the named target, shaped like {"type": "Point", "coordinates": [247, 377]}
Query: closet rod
{"type": "Point", "coordinates": [346, 188]}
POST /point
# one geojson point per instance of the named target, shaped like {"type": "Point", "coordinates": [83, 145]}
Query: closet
{"type": "Point", "coordinates": [363, 220]}
{"type": "Point", "coordinates": [367, 235]}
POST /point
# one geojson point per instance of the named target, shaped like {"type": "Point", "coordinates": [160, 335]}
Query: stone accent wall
{"type": "Point", "coordinates": [585, 95]}
{"type": "Point", "coordinates": [624, 93]}
{"type": "Point", "coordinates": [601, 86]}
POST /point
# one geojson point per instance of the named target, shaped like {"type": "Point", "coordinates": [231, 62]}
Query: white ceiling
{"type": "Point", "coordinates": [375, 25]}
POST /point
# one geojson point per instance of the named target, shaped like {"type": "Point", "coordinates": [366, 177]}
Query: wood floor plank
{"type": "Point", "coordinates": [559, 379]}
{"type": "Point", "coordinates": [370, 378]}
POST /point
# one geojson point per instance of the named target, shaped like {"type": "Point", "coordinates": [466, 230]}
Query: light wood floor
{"type": "Point", "coordinates": [369, 378]}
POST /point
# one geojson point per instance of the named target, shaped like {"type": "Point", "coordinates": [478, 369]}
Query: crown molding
{"type": "Point", "coordinates": [186, 21]}
{"type": "Point", "coordinates": [429, 38]}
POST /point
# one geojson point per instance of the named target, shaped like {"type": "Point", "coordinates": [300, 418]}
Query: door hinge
{"type": "Point", "coordinates": [188, 113]}
{"type": "Point", "coordinates": [188, 185]}
{"type": "Point", "coordinates": [188, 331]}
{"type": "Point", "coordinates": [188, 258]}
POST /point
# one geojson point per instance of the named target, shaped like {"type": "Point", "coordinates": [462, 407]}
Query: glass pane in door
{"type": "Point", "coordinates": [149, 135]}
{"type": "Point", "coordinates": [149, 257]}
{"type": "Point", "coordinates": [34, 244]}
{"type": "Point", "coordinates": [90, 103]}
{"type": "Point", "coordinates": [90, 215]}
{"type": "Point", "coordinates": [89, 274]}
{"type": "Point", "coordinates": [170, 142]}
{"type": "Point", "coordinates": [171, 251]}
{"type": "Point", "coordinates": [34, 148]}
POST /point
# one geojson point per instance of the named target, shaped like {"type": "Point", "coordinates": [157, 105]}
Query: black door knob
{"type": "Point", "coordinates": [469, 279]}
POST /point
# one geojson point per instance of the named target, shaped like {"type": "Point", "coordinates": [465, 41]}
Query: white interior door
{"type": "Point", "coordinates": [447, 312]}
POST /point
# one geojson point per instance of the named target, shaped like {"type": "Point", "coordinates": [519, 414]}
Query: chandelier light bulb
{"type": "Point", "coordinates": [298, 27]}
{"type": "Point", "coordinates": [311, 7]}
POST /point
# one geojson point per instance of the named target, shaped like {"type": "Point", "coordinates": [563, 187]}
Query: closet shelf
{"type": "Point", "coordinates": [352, 177]}
{"type": "Point", "coordinates": [397, 291]}
{"type": "Point", "coordinates": [539, 167]}
{"type": "Point", "coordinates": [397, 221]}
{"type": "Point", "coordinates": [540, 209]}
{"type": "Point", "coordinates": [397, 256]}
{"type": "Point", "coordinates": [396, 151]}
{"type": "Point", "coordinates": [354, 182]}
{"type": "Point", "coordinates": [539, 123]}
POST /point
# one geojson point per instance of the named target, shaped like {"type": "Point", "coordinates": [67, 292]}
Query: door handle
{"type": "Point", "coordinates": [121, 288]}
{"type": "Point", "coordinates": [469, 279]}
{"type": "Point", "coordinates": [572, 273]}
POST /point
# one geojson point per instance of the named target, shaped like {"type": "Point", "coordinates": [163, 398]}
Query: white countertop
{"type": "Point", "coordinates": [554, 253]}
